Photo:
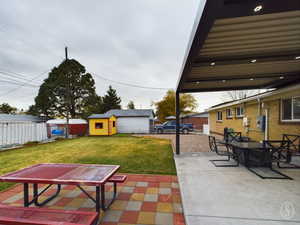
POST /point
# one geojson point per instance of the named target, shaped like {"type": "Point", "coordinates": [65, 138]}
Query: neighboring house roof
{"type": "Point", "coordinates": [64, 121]}
{"type": "Point", "coordinates": [200, 114]}
{"type": "Point", "coordinates": [254, 97]}
{"type": "Point", "coordinates": [100, 116]}
{"type": "Point", "coordinates": [131, 112]}
{"type": "Point", "coordinates": [19, 118]}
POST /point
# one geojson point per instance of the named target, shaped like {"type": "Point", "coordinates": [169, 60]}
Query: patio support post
{"type": "Point", "coordinates": [177, 100]}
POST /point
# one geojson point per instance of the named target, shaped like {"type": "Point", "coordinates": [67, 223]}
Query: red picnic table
{"type": "Point", "coordinates": [64, 174]}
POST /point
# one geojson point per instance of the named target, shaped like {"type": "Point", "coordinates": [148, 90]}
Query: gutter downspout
{"type": "Point", "coordinates": [267, 124]}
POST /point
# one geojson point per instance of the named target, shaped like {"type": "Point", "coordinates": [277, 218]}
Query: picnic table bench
{"type": "Point", "coordinates": [10, 215]}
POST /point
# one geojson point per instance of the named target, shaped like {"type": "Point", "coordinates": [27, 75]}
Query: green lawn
{"type": "Point", "coordinates": [134, 154]}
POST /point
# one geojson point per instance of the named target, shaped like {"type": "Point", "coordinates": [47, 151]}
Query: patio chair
{"type": "Point", "coordinates": [233, 136]}
{"type": "Point", "coordinates": [228, 152]}
{"type": "Point", "coordinates": [286, 157]}
{"type": "Point", "coordinates": [236, 136]}
{"type": "Point", "coordinates": [274, 149]}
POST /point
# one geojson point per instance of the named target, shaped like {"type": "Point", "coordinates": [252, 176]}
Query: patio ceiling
{"type": "Point", "coordinates": [243, 44]}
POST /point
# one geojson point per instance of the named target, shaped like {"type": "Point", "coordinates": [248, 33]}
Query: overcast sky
{"type": "Point", "coordinates": [141, 42]}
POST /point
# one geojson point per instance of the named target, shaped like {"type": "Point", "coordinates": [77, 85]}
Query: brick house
{"type": "Point", "coordinates": [197, 119]}
{"type": "Point", "coordinates": [260, 117]}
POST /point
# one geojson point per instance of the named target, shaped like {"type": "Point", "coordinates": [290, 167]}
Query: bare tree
{"type": "Point", "coordinates": [236, 95]}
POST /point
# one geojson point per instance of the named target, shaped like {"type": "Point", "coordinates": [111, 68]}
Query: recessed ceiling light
{"type": "Point", "coordinates": [253, 60]}
{"type": "Point", "coordinates": [213, 63]}
{"type": "Point", "coordinates": [297, 57]}
{"type": "Point", "coordinates": [281, 77]}
{"type": "Point", "coordinates": [258, 8]}
{"type": "Point", "coordinates": [223, 81]}
{"type": "Point", "coordinates": [251, 78]}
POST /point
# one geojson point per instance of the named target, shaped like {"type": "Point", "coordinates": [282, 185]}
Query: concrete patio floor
{"type": "Point", "coordinates": [142, 199]}
{"type": "Point", "coordinates": [233, 195]}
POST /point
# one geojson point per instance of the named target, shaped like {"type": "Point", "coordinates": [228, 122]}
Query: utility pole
{"type": "Point", "coordinates": [68, 96]}
{"type": "Point", "coordinates": [66, 52]}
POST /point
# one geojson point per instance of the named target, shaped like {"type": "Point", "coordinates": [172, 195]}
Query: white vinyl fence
{"type": "Point", "coordinates": [14, 133]}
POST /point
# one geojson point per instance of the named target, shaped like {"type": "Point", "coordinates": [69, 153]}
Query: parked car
{"type": "Point", "coordinates": [170, 127]}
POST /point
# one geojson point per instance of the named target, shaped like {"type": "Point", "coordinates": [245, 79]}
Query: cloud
{"type": "Point", "coordinates": [138, 42]}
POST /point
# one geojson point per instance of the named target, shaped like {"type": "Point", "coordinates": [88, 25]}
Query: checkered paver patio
{"type": "Point", "coordinates": [142, 199]}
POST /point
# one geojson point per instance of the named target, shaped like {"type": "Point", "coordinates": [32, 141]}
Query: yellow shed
{"type": "Point", "coordinates": [102, 124]}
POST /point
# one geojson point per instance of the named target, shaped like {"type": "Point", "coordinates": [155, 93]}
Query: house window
{"type": "Point", "coordinates": [114, 123]}
{"type": "Point", "coordinates": [228, 113]}
{"type": "Point", "coordinates": [98, 125]}
{"type": "Point", "coordinates": [290, 109]}
{"type": "Point", "coordinates": [219, 116]}
{"type": "Point", "coordinates": [239, 111]}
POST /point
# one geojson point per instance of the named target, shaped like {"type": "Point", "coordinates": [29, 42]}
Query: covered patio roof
{"type": "Point", "coordinates": [243, 44]}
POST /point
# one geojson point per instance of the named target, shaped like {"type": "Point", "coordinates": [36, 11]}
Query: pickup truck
{"type": "Point", "coordinates": [170, 127]}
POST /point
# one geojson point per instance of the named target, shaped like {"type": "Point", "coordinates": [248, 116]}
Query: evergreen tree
{"type": "Point", "coordinates": [131, 105]}
{"type": "Point", "coordinates": [68, 89]}
{"type": "Point", "coordinates": [32, 110]}
{"type": "Point", "coordinates": [111, 100]}
{"type": "Point", "coordinates": [92, 106]}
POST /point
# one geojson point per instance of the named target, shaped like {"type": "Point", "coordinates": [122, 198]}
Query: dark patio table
{"type": "Point", "coordinates": [244, 149]}
{"type": "Point", "coordinates": [248, 149]}
{"type": "Point", "coordinates": [63, 174]}
{"type": "Point", "coordinates": [248, 145]}
{"type": "Point", "coordinates": [254, 154]}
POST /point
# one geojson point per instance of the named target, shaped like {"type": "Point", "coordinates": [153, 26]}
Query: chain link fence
{"type": "Point", "coordinates": [17, 133]}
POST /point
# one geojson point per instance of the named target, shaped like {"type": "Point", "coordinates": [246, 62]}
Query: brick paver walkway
{"type": "Point", "coordinates": [143, 199]}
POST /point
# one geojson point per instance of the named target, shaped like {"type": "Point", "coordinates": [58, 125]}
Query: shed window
{"type": "Point", "coordinates": [114, 123]}
{"type": "Point", "coordinates": [219, 116]}
{"type": "Point", "coordinates": [98, 125]}
{"type": "Point", "coordinates": [290, 109]}
{"type": "Point", "coordinates": [228, 113]}
{"type": "Point", "coordinates": [239, 111]}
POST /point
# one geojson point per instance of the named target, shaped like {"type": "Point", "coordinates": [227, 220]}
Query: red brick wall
{"type": "Point", "coordinates": [196, 121]}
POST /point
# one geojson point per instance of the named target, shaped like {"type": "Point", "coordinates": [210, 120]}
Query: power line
{"type": "Point", "coordinates": [28, 81]}
{"type": "Point", "coordinates": [23, 84]}
{"type": "Point", "coordinates": [16, 83]}
{"type": "Point", "coordinates": [14, 74]}
{"type": "Point", "coordinates": [13, 79]}
{"type": "Point", "coordinates": [130, 85]}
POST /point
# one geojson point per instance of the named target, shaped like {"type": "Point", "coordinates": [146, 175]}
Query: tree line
{"type": "Point", "coordinates": [7, 109]}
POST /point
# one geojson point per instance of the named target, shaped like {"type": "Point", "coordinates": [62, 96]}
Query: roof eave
{"type": "Point", "coordinates": [260, 96]}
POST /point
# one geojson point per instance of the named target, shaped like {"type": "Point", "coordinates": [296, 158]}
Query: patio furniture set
{"type": "Point", "coordinates": [48, 175]}
{"type": "Point", "coordinates": [257, 157]}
